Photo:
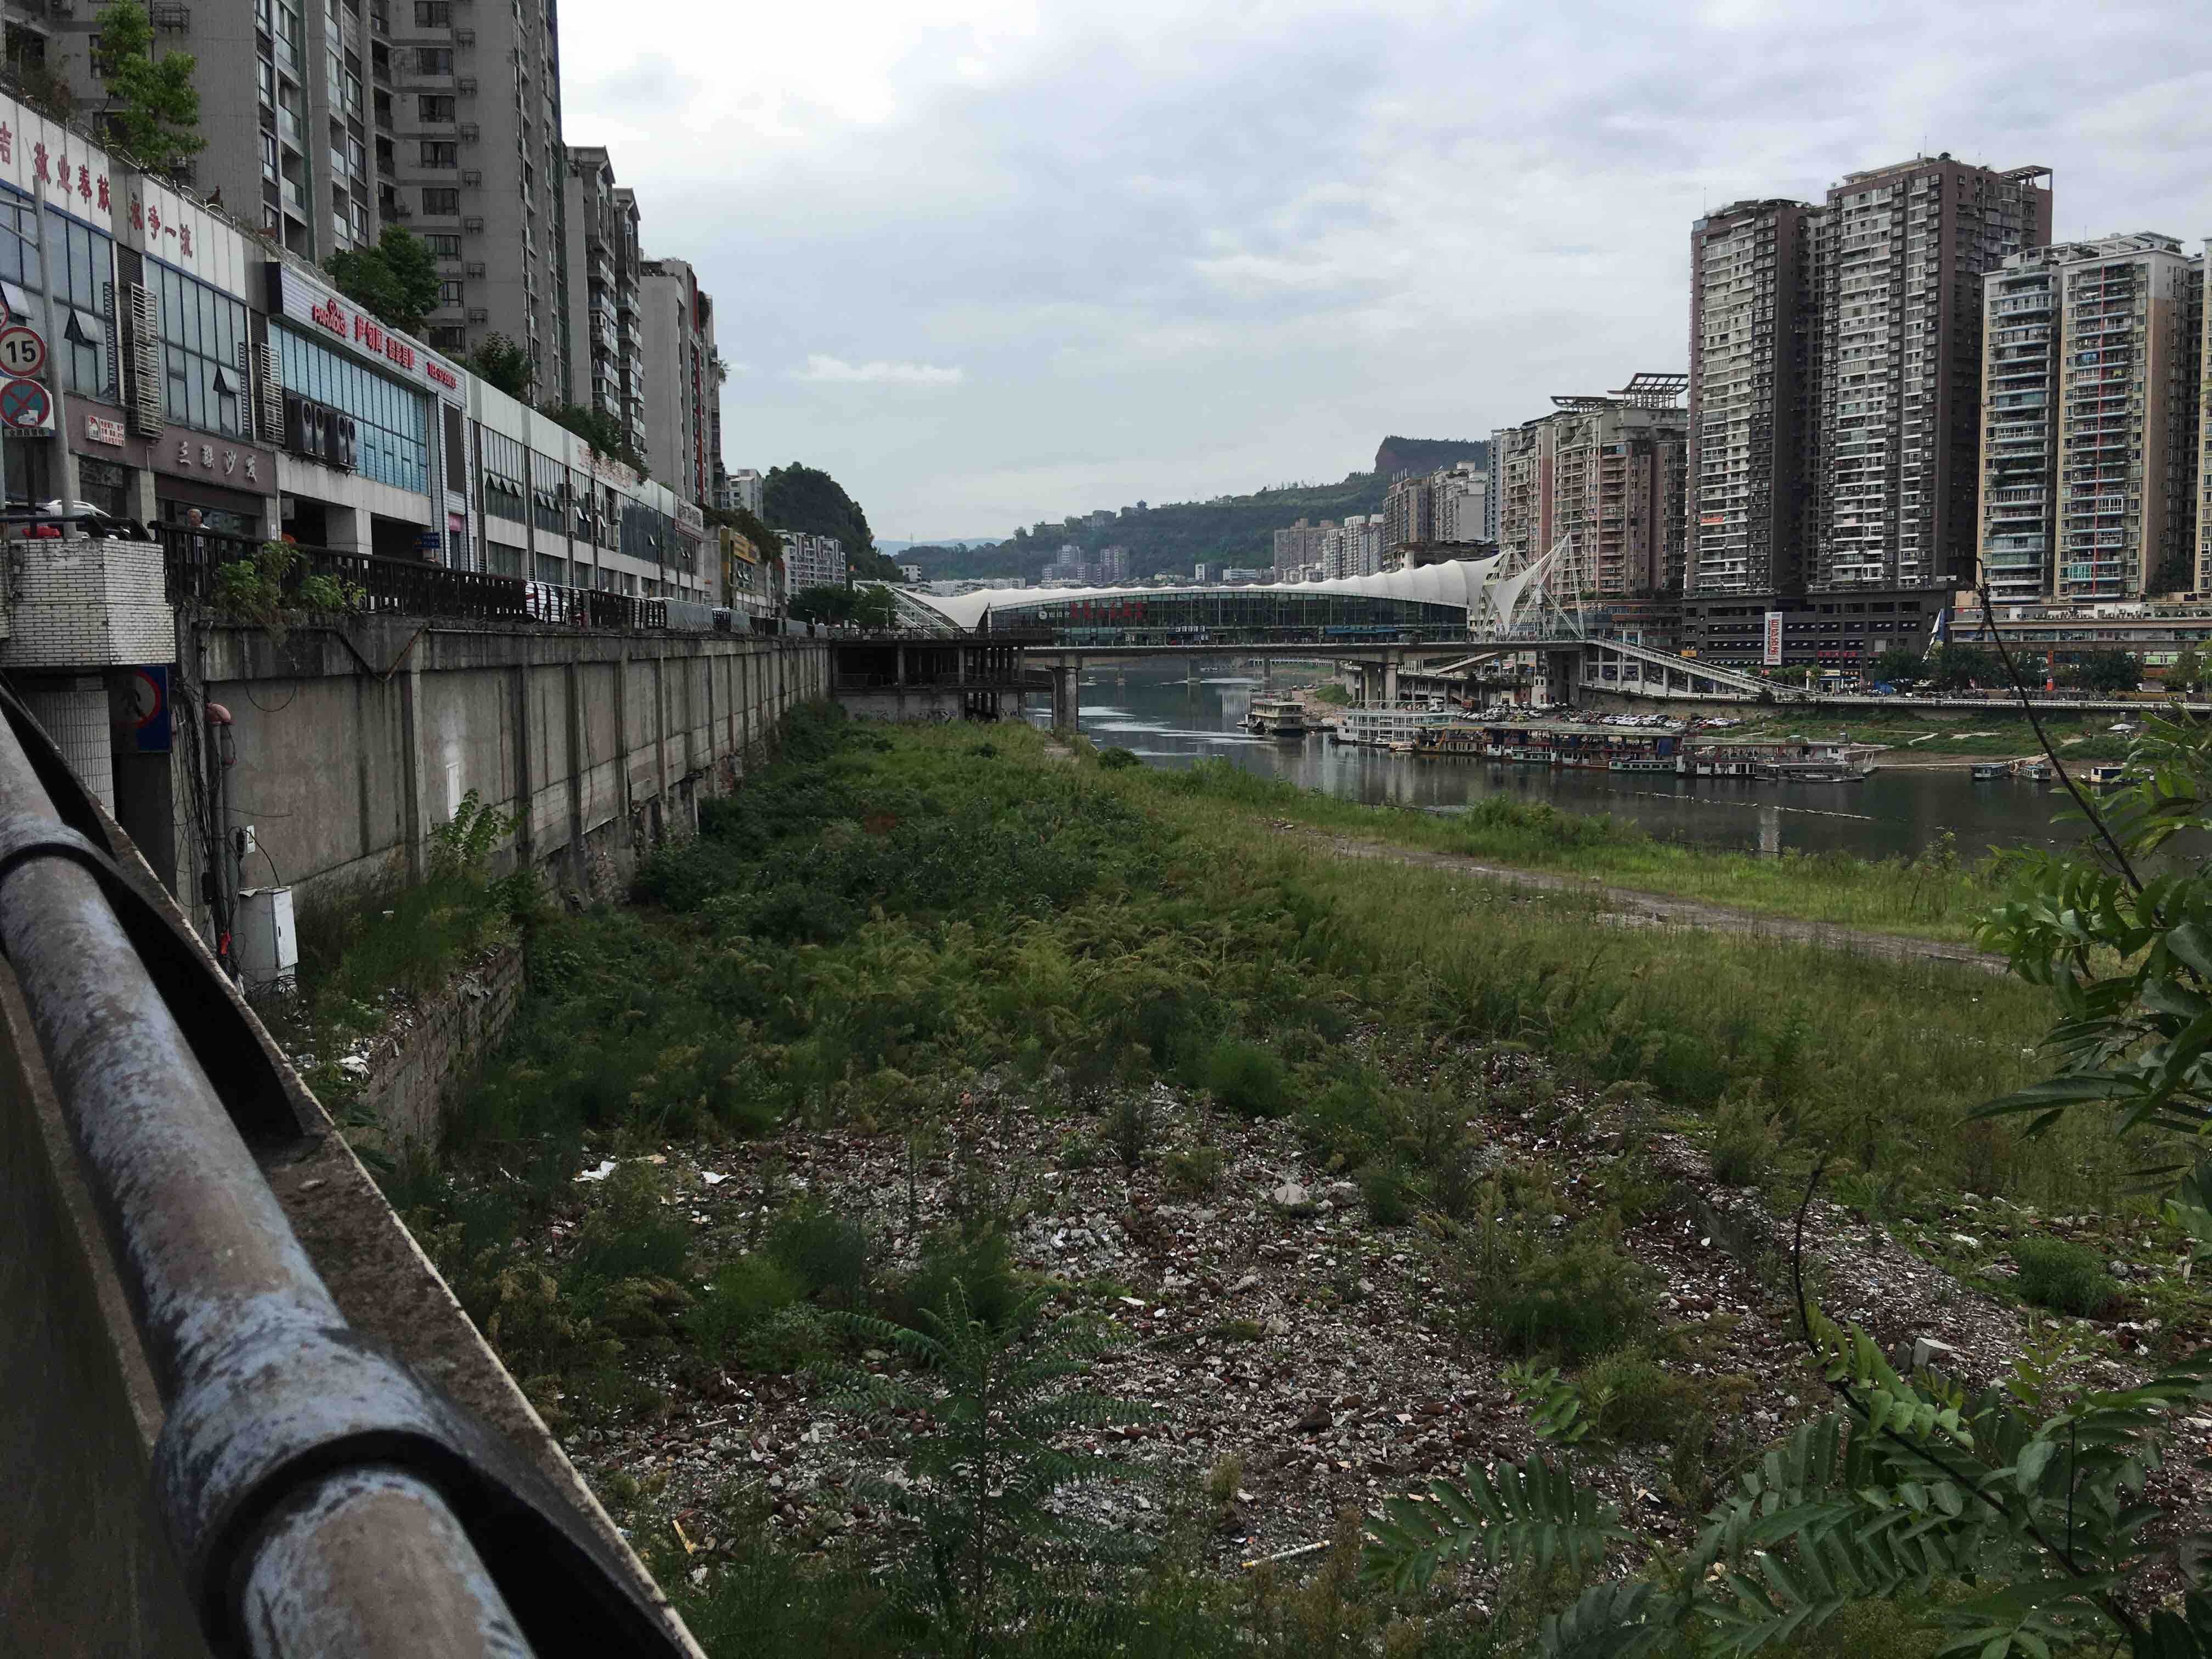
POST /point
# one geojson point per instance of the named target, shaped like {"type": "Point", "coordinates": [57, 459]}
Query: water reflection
{"type": "Point", "coordinates": [1168, 717]}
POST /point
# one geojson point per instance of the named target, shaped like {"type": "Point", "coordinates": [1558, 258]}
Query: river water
{"type": "Point", "coordinates": [1150, 708]}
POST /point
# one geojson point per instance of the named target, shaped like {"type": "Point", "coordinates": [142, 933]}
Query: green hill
{"type": "Point", "coordinates": [1232, 530]}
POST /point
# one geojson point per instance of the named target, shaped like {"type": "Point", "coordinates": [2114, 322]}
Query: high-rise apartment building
{"type": "Point", "coordinates": [1521, 459]}
{"type": "Point", "coordinates": [1409, 511]}
{"type": "Point", "coordinates": [606, 316]}
{"type": "Point", "coordinates": [1301, 543]}
{"type": "Point", "coordinates": [742, 488]}
{"type": "Point", "coordinates": [812, 561]}
{"type": "Point", "coordinates": [2092, 362]}
{"type": "Point", "coordinates": [1901, 252]}
{"type": "Point", "coordinates": [683, 394]}
{"type": "Point", "coordinates": [1618, 464]}
{"type": "Point", "coordinates": [1461, 496]}
{"type": "Point", "coordinates": [1753, 322]}
{"type": "Point", "coordinates": [326, 120]}
{"type": "Point", "coordinates": [470, 156]}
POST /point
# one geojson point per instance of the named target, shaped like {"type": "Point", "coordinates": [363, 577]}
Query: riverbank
{"type": "Point", "coordinates": [1936, 895]}
{"type": "Point", "coordinates": [1322, 1144]}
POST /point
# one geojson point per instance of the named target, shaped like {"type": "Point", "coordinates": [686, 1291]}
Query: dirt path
{"type": "Point", "coordinates": [1634, 907]}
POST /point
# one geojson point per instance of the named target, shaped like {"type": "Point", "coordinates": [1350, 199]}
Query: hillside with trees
{"type": "Point", "coordinates": [1230, 530]}
{"type": "Point", "coordinates": [806, 498]}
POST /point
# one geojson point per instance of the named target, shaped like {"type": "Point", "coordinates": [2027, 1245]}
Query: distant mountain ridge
{"type": "Point", "coordinates": [1175, 538]}
{"type": "Point", "coordinates": [1396, 455]}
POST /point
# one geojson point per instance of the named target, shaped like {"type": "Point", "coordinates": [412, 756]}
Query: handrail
{"type": "Point", "coordinates": [320, 1497]}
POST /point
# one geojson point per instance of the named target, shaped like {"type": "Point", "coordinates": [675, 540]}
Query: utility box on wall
{"type": "Point", "coordinates": [264, 941]}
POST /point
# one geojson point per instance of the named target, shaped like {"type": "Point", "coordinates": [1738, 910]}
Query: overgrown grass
{"type": "Point", "coordinates": [1935, 895]}
{"type": "Point", "coordinates": [884, 917]}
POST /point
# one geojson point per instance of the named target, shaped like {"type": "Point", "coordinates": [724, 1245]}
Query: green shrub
{"type": "Point", "coordinates": [1643, 1402]}
{"type": "Point", "coordinates": [736, 1301]}
{"type": "Point", "coordinates": [632, 1232]}
{"type": "Point", "coordinates": [2065, 1277]}
{"type": "Point", "coordinates": [1743, 1144]}
{"type": "Point", "coordinates": [1116, 760]}
{"type": "Point", "coordinates": [981, 1269]}
{"type": "Point", "coordinates": [1387, 1193]}
{"type": "Point", "coordinates": [1247, 1078]}
{"type": "Point", "coordinates": [1568, 1299]}
{"type": "Point", "coordinates": [1192, 1170]}
{"type": "Point", "coordinates": [828, 1253]}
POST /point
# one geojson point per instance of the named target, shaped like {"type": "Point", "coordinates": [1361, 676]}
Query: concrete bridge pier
{"type": "Point", "coordinates": [1391, 682]}
{"type": "Point", "coordinates": [1065, 699]}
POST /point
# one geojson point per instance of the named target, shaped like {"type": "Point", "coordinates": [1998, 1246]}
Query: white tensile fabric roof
{"type": "Point", "coordinates": [1469, 584]}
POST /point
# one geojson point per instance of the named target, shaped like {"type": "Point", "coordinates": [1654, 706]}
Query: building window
{"type": "Point", "coordinates": [440, 153]}
{"type": "Point", "coordinates": [433, 14]}
{"type": "Point", "coordinates": [441, 201]}
{"type": "Point", "coordinates": [449, 337]}
{"type": "Point", "coordinates": [83, 280]}
{"type": "Point", "coordinates": [449, 293]}
{"type": "Point", "coordinates": [434, 60]}
{"type": "Point", "coordinates": [504, 462]}
{"type": "Point", "coordinates": [434, 106]}
{"type": "Point", "coordinates": [444, 245]}
{"type": "Point", "coordinates": [201, 331]}
{"type": "Point", "coordinates": [392, 442]}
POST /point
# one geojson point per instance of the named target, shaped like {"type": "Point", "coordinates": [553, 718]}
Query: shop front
{"type": "Point", "coordinates": [370, 459]}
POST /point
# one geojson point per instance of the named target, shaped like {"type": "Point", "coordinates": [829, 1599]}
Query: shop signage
{"type": "Point", "coordinates": [689, 520]}
{"type": "Point", "coordinates": [198, 458]}
{"type": "Point", "coordinates": [104, 430]}
{"type": "Point", "coordinates": [1773, 654]}
{"type": "Point", "coordinates": [333, 318]}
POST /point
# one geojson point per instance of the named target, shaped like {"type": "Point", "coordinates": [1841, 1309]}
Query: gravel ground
{"type": "Point", "coordinates": [1269, 1319]}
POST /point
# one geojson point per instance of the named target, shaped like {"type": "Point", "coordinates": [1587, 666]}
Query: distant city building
{"type": "Point", "coordinates": [1601, 479]}
{"type": "Point", "coordinates": [742, 488]}
{"type": "Point", "coordinates": [1112, 566]}
{"type": "Point", "coordinates": [1895, 469]}
{"type": "Point", "coordinates": [1409, 511]}
{"type": "Point", "coordinates": [1302, 543]}
{"type": "Point", "coordinates": [911, 572]}
{"type": "Point", "coordinates": [1754, 316]}
{"type": "Point", "coordinates": [1461, 496]}
{"type": "Point", "coordinates": [1205, 573]}
{"type": "Point", "coordinates": [812, 561]}
{"type": "Point", "coordinates": [606, 324]}
{"type": "Point", "coordinates": [1243, 576]}
{"type": "Point", "coordinates": [2091, 369]}
{"type": "Point", "coordinates": [682, 391]}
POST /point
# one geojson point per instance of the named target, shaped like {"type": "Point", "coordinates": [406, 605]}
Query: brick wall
{"type": "Point", "coordinates": [79, 603]}
{"type": "Point", "coordinates": [421, 1069]}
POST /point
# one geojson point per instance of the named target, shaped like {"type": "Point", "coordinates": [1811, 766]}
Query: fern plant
{"type": "Point", "coordinates": [998, 1410]}
{"type": "Point", "coordinates": [1913, 1486]}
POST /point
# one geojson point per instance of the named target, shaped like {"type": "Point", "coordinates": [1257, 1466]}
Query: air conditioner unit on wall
{"type": "Point", "coordinates": [472, 176]}
{"type": "Point", "coordinates": [466, 86]}
{"type": "Point", "coordinates": [474, 227]}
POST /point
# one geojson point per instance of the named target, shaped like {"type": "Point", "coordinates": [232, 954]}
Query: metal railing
{"type": "Point", "coordinates": [195, 559]}
{"type": "Point", "coordinates": [319, 1496]}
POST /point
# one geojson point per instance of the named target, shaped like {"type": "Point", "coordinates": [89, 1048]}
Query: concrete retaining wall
{"type": "Point", "coordinates": [350, 746]}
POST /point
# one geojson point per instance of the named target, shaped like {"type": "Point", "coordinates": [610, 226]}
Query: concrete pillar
{"type": "Point", "coordinates": [1390, 680]}
{"type": "Point", "coordinates": [902, 664]}
{"type": "Point", "coordinates": [1065, 702]}
{"type": "Point", "coordinates": [526, 762]}
{"type": "Point", "coordinates": [415, 796]}
{"type": "Point", "coordinates": [579, 764]}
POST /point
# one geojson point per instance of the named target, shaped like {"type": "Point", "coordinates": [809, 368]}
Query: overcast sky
{"type": "Point", "coordinates": [989, 261]}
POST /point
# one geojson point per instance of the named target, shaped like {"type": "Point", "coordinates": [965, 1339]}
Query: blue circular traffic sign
{"type": "Point", "coordinates": [25, 406]}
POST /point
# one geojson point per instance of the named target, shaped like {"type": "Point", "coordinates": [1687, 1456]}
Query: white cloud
{"type": "Point", "coordinates": [835, 371]}
{"type": "Point", "coordinates": [1195, 248]}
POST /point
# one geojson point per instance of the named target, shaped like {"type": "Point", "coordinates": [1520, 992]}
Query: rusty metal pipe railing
{"type": "Point", "coordinates": [222, 1291]}
{"type": "Point", "coordinates": [320, 1497]}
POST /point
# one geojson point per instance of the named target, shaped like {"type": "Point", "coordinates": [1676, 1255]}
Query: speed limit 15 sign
{"type": "Point", "coordinates": [23, 351]}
